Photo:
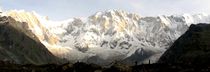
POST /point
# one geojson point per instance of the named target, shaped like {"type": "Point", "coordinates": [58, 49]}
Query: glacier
{"type": "Point", "coordinates": [110, 36]}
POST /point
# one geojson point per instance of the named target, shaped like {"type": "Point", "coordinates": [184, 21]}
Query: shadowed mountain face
{"type": "Point", "coordinates": [18, 47]}
{"type": "Point", "coordinates": [193, 47]}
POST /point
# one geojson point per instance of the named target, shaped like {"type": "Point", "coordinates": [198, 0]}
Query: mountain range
{"type": "Point", "coordinates": [105, 37]}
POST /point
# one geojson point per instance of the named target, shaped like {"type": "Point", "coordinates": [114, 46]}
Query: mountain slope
{"type": "Point", "coordinates": [17, 47]}
{"type": "Point", "coordinates": [191, 48]}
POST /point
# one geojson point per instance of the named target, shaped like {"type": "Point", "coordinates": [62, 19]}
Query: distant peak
{"type": "Point", "coordinates": [114, 14]}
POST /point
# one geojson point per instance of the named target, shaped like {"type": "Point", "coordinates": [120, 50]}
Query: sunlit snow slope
{"type": "Point", "coordinates": [109, 36]}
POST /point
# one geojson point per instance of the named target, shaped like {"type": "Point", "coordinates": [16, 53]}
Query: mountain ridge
{"type": "Point", "coordinates": [19, 48]}
{"type": "Point", "coordinates": [111, 36]}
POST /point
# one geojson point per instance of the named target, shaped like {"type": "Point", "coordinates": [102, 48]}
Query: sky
{"type": "Point", "coordinates": [65, 9]}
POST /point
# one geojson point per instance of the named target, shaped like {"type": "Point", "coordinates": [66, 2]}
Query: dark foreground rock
{"type": "Point", "coordinates": [83, 67]}
{"type": "Point", "coordinates": [193, 47]}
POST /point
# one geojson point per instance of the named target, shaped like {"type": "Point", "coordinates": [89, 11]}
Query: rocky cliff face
{"type": "Point", "coordinates": [22, 46]}
{"type": "Point", "coordinates": [193, 47]}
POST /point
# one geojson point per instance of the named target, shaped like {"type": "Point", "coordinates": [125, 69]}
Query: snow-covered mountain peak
{"type": "Point", "coordinates": [109, 36]}
{"type": "Point", "coordinates": [32, 22]}
{"type": "Point", "coordinates": [122, 34]}
{"type": "Point", "coordinates": [114, 14]}
{"type": "Point", "coordinates": [119, 20]}
{"type": "Point", "coordinates": [35, 27]}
